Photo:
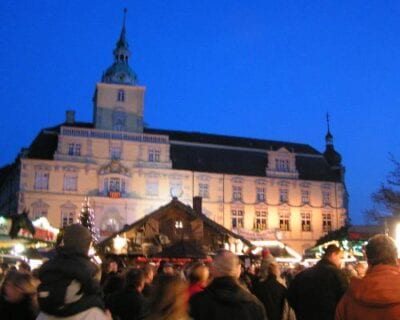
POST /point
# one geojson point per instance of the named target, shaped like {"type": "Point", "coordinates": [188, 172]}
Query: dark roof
{"type": "Point", "coordinates": [203, 152]}
{"type": "Point", "coordinates": [232, 141]}
{"type": "Point", "coordinates": [242, 156]}
{"type": "Point", "coordinates": [5, 172]}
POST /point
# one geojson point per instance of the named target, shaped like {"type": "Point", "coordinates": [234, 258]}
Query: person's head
{"type": "Point", "coordinates": [225, 264]}
{"type": "Point", "coordinates": [170, 298]}
{"type": "Point", "coordinates": [112, 266]}
{"type": "Point", "coordinates": [198, 273]}
{"type": "Point", "coordinates": [24, 266]}
{"type": "Point", "coordinates": [148, 271]}
{"type": "Point", "coordinates": [269, 270]}
{"type": "Point", "coordinates": [17, 286]}
{"type": "Point", "coordinates": [77, 238]}
{"type": "Point", "coordinates": [381, 249]}
{"type": "Point", "coordinates": [333, 254]}
{"type": "Point", "coordinates": [134, 279]}
{"type": "Point", "coordinates": [168, 268]}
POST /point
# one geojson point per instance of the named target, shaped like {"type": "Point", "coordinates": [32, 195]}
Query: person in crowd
{"type": "Point", "coordinates": [4, 267]}
{"type": "Point", "coordinates": [167, 268]}
{"type": "Point", "coordinates": [24, 267]}
{"type": "Point", "coordinates": [69, 288]}
{"type": "Point", "coordinates": [112, 279]}
{"type": "Point", "coordinates": [272, 293]}
{"type": "Point", "coordinates": [376, 296]}
{"type": "Point", "coordinates": [129, 304]}
{"type": "Point", "coordinates": [18, 297]}
{"type": "Point", "coordinates": [148, 272]}
{"type": "Point", "coordinates": [169, 300]}
{"type": "Point", "coordinates": [315, 292]}
{"type": "Point", "coordinates": [198, 275]}
{"type": "Point", "coordinates": [224, 297]}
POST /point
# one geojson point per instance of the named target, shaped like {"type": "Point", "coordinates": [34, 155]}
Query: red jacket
{"type": "Point", "coordinates": [375, 297]}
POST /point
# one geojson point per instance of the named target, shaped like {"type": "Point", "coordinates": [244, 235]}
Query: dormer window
{"type": "Point", "coordinates": [282, 165]}
{"type": "Point", "coordinates": [121, 95]}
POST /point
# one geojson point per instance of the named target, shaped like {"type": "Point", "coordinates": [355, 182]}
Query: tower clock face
{"type": "Point", "coordinates": [176, 191]}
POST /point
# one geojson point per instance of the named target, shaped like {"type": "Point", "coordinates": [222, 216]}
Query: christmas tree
{"type": "Point", "coordinates": [87, 219]}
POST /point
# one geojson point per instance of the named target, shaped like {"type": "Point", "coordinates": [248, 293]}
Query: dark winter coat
{"type": "Point", "coordinates": [58, 275]}
{"type": "Point", "coordinates": [127, 305]}
{"type": "Point", "coordinates": [17, 311]}
{"type": "Point", "coordinates": [224, 298]}
{"type": "Point", "coordinates": [272, 294]}
{"type": "Point", "coordinates": [315, 292]}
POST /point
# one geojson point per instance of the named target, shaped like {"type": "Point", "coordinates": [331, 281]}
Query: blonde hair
{"type": "Point", "coordinates": [169, 299]}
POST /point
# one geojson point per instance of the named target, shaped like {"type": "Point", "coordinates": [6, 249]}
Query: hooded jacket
{"type": "Point", "coordinates": [376, 296]}
{"type": "Point", "coordinates": [224, 298]}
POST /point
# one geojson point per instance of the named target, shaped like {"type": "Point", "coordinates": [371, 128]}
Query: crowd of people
{"type": "Point", "coordinates": [71, 286]}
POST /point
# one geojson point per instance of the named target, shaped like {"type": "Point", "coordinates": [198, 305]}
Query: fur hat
{"type": "Point", "coordinates": [77, 238]}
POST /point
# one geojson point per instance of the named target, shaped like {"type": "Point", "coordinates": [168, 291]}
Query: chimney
{"type": "Point", "coordinates": [70, 116]}
{"type": "Point", "coordinates": [197, 205]}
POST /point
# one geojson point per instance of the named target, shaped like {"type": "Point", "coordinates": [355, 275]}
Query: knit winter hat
{"type": "Point", "coordinates": [77, 238]}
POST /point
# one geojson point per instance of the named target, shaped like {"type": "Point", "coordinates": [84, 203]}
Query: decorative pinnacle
{"type": "Point", "coordinates": [327, 120]}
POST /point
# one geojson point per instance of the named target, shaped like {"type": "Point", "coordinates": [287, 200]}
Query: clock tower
{"type": "Point", "coordinates": [118, 100]}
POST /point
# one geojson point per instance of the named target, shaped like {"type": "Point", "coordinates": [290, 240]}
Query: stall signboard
{"type": "Point", "coordinates": [43, 230]}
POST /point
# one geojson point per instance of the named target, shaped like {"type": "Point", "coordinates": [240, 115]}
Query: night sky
{"type": "Point", "coordinates": [260, 69]}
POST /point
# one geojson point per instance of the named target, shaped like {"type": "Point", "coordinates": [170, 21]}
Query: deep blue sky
{"type": "Point", "coordinates": [262, 69]}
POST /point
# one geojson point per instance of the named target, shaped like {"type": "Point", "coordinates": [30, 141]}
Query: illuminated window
{"type": "Point", "coordinates": [203, 190]}
{"type": "Point", "coordinates": [74, 149]}
{"type": "Point", "coordinates": [282, 165]}
{"type": "Point", "coordinates": [261, 220]}
{"type": "Point", "coordinates": [154, 155]}
{"type": "Point", "coordinates": [114, 184]}
{"type": "Point", "coordinates": [326, 222]}
{"type": "Point", "coordinates": [41, 180]}
{"type": "Point", "coordinates": [67, 216]}
{"type": "Point", "coordinates": [237, 218]}
{"type": "Point", "coordinates": [305, 196]}
{"type": "Point", "coordinates": [306, 221]}
{"type": "Point", "coordinates": [260, 194]}
{"type": "Point", "coordinates": [284, 221]}
{"type": "Point", "coordinates": [283, 195]}
{"type": "Point", "coordinates": [237, 193]}
{"type": "Point", "coordinates": [70, 182]}
{"type": "Point", "coordinates": [121, 95]}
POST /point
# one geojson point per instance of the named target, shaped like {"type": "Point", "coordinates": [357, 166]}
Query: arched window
{"type": "Point", "coordinates": [121, 95]}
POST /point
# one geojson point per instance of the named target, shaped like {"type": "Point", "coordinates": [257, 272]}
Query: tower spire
{"type": "Point", "coordinates": [120, 72]}
{"type": "Point", "coordinates": [328, 137]}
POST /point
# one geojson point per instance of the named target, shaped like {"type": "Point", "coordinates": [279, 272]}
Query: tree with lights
{"type": "Point", "coordinates": [86, 218]}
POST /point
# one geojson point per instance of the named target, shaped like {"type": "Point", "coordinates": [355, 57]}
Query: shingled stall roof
{"type": "Point", "coordinates": [177, 205]}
